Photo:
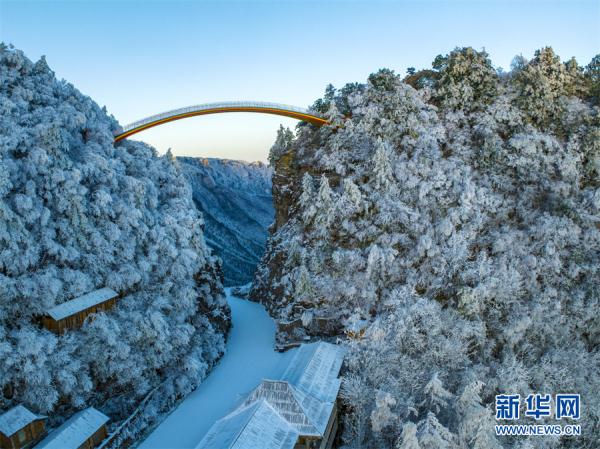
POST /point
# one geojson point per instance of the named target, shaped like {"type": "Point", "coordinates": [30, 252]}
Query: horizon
{"type": "Point", "coordinates": [285, 52]}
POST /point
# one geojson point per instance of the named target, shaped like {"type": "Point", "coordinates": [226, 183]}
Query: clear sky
{"type": "Point", "coordinates": [144, 57]}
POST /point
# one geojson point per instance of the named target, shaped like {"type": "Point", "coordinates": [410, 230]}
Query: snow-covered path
{"type": "Point", "coordinates": [249, 358]}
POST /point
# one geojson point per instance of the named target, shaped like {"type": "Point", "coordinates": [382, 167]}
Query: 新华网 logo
{"type": "Point", "coordinates": [537, 407]}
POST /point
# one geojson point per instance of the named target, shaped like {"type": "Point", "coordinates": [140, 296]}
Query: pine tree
{"type": "Point", "coordinates": [323, 206]}
{"type": "Point", "coordinates": [409, 437]}
{"type": "Point", "coordinates": [437, 397]}
{"type": "Point", "coordinates": [304, 288]}
{"type": "Point", "coordinates": [433, 435]}
{"type": "Point", "coordinates": [467, 80]}
{"type": "Point", "coordinates": [592, 75]}
{"type": "Point", "coordinates": [381, 167]}
{"type": "Point", "coordinates": [382, 416]}
{"type": "Point", "coordinates": [476, 428]}
{"type": "Point", "coordinates": [282, 144]}
{"type": "Point", "coordinates": [307, 199]}
{"type": "Point", "coordinates": [542, 82]}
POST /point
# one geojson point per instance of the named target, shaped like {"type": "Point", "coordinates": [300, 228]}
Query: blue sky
{"type": "Point", "coordinates": [143, 57]}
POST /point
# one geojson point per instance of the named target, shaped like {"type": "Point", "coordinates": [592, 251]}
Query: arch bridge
{"type": "Point", "coordinates": [217, 108]}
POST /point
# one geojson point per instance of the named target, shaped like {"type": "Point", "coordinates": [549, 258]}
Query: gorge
{"type": "Point", "coordinates": [443, 227]}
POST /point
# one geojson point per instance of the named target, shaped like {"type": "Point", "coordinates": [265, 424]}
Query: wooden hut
{"type": "Point", "coordinates": [297, 412]}
{"type": "Point", "coordinates": [20, 428]}
{"type": "Point", "coordinates": [84, 430]}
{"type": "Point", "coordinates": [72, 314]}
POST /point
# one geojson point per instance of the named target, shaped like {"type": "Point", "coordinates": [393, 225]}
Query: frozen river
{"type": "Point", "coordinates": [249, 358]}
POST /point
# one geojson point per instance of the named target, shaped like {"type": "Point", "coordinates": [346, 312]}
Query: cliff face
{"type": "Point", "coordinates": [270, 285]}
{"type": "Point", "coordinates": [236, 203]}
{"type": "Point", "coordinates": [78, 213]}
{"type": "Point", "coordinates": [441, 232]}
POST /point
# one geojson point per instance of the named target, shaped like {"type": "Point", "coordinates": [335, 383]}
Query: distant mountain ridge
{"type": "Point", "coordinates": [236, 201]}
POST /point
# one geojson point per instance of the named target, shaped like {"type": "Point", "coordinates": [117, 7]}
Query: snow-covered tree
{"type": "Point", "coordinates": [79, 212]}
{"type": "Point", "coordinates": [307, 199]}
{"type": "Point", "coordinates": [463, 236]}
{"type": "Point", "coordinates": [433, 435]}
{"type": "Point", "coordinates": [409, 439]}
{"type": "Point", "coordinates": [382, 416]}
{"type": "Point", "coordinates": [281, 145]}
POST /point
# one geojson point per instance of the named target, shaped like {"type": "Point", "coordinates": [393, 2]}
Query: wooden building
{"type": "Point", "coordinates": [20, 428]}
{"type": "Point", "coordinates": [296, 412]}
{"type": "Point", "coordinates": [84, 430]}
{"type": "Point", "coordinates": [72, 314]}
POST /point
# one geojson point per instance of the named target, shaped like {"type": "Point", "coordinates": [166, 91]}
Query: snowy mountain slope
{"type": "Point", "coordinates": [79, 213]}
{"type": "Point", "coordinates": [236, 203]}
{"type": "Point", "coordinates": [449, 230]}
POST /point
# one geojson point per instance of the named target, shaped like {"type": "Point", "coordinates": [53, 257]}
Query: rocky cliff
{"type": "Point", "coordinates": [236, 203]}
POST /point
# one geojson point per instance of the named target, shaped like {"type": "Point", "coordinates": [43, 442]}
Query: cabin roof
{"type": "Point", "coordinates": [15, 419]}
{"type": "Point", "coordinates": [256, 426]}
{"type": "Point", "coordinates": [76, 430]}
{"type": "Point", "coordinates": [314, 370]}
{"type": "Point", "coordinates": [84, 302]}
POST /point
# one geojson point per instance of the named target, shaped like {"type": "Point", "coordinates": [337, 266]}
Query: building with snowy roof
{"type": "Point", "coordinates": [296, 412]}
{"type": "Point", "coordinates": [20, 428]}
{"type": "Point", "coordinates": [72, 314]}
{"type": "Point", "coordinates": [84, 430]}
{"type": "Point", "coordinates": [257, 425]}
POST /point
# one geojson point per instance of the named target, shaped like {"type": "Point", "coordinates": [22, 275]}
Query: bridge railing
{"type": "Point", "coordinates": [208, 106]}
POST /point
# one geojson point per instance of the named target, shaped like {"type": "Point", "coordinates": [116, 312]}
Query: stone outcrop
{"type": "Point", "coordinates": [288, 170]}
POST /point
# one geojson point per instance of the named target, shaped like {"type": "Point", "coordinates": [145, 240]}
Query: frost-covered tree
{"type": "Point", "coordinates": [467, 80]}
{"type": "Point", "coordinates": [592, 74]}
{"type": "Point", "coordinates": [281, 145]}
{"type": "Point", "coordinates": [433, 435]}
{"type": "Point", "coordinates": [476, 428]}
{"type": "Point", "coordinates": [542, 83]}
{"type": "Point", "coordinates": [307, 199]}
{"type": "Point", "coordinates": [79, 212]}
{"type": "Point", "coordinates": [460, 256]}
{"type": "Point", "coordinates": [437, 398]}
{"type": "Point", "coordinates": [382, 416]}
{"type": "Point", "coordinates": [323, 205]}
{"type": "Point", "coordinates": [409, 438]}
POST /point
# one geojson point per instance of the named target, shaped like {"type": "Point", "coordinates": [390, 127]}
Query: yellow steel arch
{"type": "Point", "coordinates": [217, 108]}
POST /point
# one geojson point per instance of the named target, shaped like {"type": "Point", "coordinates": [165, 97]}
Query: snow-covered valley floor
{"type": "Point", "coordinates": [249, 358]}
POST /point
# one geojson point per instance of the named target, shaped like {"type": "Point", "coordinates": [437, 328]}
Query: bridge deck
{"type": "Point", "coordinates": [215, 108]}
